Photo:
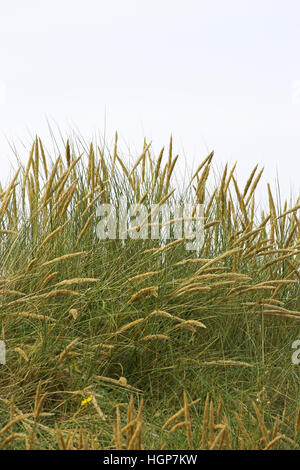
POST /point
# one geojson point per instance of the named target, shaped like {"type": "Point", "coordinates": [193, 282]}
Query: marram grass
{"type": "Point", "coordinates": [130, 344]}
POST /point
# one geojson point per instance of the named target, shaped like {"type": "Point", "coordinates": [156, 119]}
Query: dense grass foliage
{"type": "Point", "coordinates": [100, 333]}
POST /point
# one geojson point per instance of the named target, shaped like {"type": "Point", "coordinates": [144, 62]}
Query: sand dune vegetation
{"type": "Point", "coordinates": [135, 344]}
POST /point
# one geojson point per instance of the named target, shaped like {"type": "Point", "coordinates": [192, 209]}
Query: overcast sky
{"type": "Point", "coordinates": [222, 75]}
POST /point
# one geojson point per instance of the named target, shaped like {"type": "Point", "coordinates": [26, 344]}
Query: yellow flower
{"type": "Point", "coordinates": [87, 400]}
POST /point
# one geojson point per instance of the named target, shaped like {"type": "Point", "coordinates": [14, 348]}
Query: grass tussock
{"type": "Point", "coordinates": [139, 343]}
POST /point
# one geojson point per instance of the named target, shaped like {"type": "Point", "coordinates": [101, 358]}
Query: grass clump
{"type": "Point", "coordinates": [140, 343]}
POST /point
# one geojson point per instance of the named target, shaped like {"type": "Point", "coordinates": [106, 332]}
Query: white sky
{"type": "Point", "coordinates": [222, 75]}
